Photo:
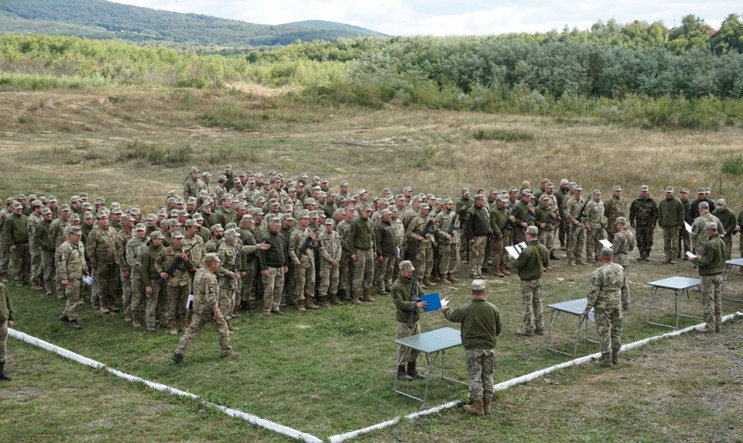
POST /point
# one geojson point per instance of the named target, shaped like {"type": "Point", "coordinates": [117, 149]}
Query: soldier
{"type": "Point", "coordinates": [694, 211]}
{"type": "Point", "coordinates": [16, 234]}
{"type": "Point", "coordinates": [135, 247]}
{"type": "Point", "coordinates": [523, 212]}
{"type": "Point", "coordinates": [150, 278]}
{"type": "Point", "coordinates": [699, 228]}
{"type": "Point", "coordinates": [71, 266]}
{"type": "Point", "coordinates": [205, 310]}
{"type": "Point", "coordinates": [273, 264]}
{"type": "Point", "coordinates": [615, 206]}
{"type": "Point", "coordinates": [604, 296]}
{"type": "Point", "coordinates": [386, 249]}
{"type": "Point", "coordinates": [34, 218]}
{"type": "Point", "coordinates": [594, 223]}
{"type": "Point", "coordinates": [421, 233]}
{"type": "Point", "coordinates": [100, 249]}
{"type": "Point", "coordinates": [562, 195]}
{"type": "Point", "coordinates": [643, 215]}
{"type": "Point", "coordinates": [7, 319]}
{"type": "Point", "coordinates": [125, 271]}
{"type": "Point", "coordinates": [447, 234]}
{"type": "Point", "coordinates": [173, 265]}
{"type": "Point", "coordinates": [191, 184]}
{"type": "Point", "coordinates": [303, 240]}
{"type": "Point", "coordinates": [4, 245]}
{"type": "Point", "coordinates": [710, 263]}
{"type": "Point", "coordinates": [500, 224]}
{"type": "Point", "coordinates": [477, 229]}
{"type": "Point", "coordinates": [228, 274]}
{"type": "Point", "coordinates": [462, 207]}
{"type": "Point", "coordinates": [405, 295]}
{"type": "Point", "coordinates": [56, 232]}
{"type": "Point", "coordinates": [531, 264]}
{"type": "Point", "coordinates": [217, 232]}
{"type": "Point", "coordinates": [671, 221]}
{"type": "Point", "coordinates": [330, 249]}
{"type": "Point", "coordinates": [247, 262]}
{"type": "Point", "coordinates": [361, 246]}
{"type": "Point", "coordinates": [480, 327]}
{"type": "Point", "coordinates": [43, 239]}
{"type": "Point", "coordinates": [623, 243]}
{"type": "Point", "coordinates": [684, 242]}
{"type": "Point", "coordinates": [546, 220]}
{"type": "Point", "coordinates": [727, 218]}
{"type": "Point", "coordinates": [576, 236]}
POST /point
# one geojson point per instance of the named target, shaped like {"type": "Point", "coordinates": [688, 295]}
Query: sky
{"type": "Point", "coordinates": [455, 17]}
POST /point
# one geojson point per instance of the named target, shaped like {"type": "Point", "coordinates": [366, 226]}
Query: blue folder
{"type": "Point", "coordinates": [434, 303]}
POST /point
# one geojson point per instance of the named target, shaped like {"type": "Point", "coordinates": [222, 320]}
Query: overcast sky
{"type": "Point", "coordinates": [454, 17]}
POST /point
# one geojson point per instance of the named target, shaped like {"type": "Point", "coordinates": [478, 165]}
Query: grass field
{"type": "Point", "coordinates": [331, 371]}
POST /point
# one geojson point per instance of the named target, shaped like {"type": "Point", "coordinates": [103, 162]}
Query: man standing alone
{"type": "Point", "coordinates": [605, 297]}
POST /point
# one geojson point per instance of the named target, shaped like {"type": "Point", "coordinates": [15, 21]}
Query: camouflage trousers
{"type": "Point", "coordinates": [105, 277]}
{"type": "Point", "coordinates": [72, 291]}
{"type": "Point", "coordinates": [4, 254]}
{"type": "Point", "coordinates": [273, 288]}
{"type": "Point", "coordinates": [246, 288]}
{"type": "Point", "coordinates": [176, 307]}
{"type": "Point", "coordinates": [345, 271]}
{"type": "Point", "coordinates": [531, 304]}
{"type": "Point", "coordinates": [21, 263]}
{"type": "Point", "coordinates": [609, 328]}
{"type": "Point", "coordinates": [477, 254]}
{"type": "Point", "coordinates": [423, 261]}
{"type": "Point", "coordinates": [363, 270]}
{"type": "Point", "coordinates": [36, 271]}
{"type": "Point", "coordinates": [3, 341]}
{"type": "Point", "coordinates": [404, 353]}
{"type": "Point", "coordinates": [728, 242]}
{"type": "Point", "coordinates": [593, 247]}
{"type": "Point", "coordinates": [328, 278]}
{"type": "Point", "coordinates": [670, 242]}
{"type": "Point", "coordinates": [385, 270]}
{"type": "Point", "coordinates": [228, 289]}
{"type": "Point", "coordinates": [644, 236]}
{"type": "Point", "coordinates": [448, 255]}
{"type": "Point", "coordinates": [626, 296]}
{"type": "Point", "coordinates": [500, 257]}
{"type": "Point", "coordinates": [684, 242]}
{"type": "Point", "coordinates": [712, 299]}
{"type": "Point", "coordinates": [153, 302]}
{"type": "Point", "coordinates": [304, 280]}
{"type": "Point", "coordinates": [47, 266]}
{"type": "Point", "coordinates": [138, 295]}
{"type": "Point", "coordinates": [126, 292]}
{"type": "Point", "coordinates": [480, 367]}
{"type": "Point", "coordinates": [576, 243]}
{"type": "Point", "coordinates": [198, 320]}
{"type": "Point", "coordinates": [547, 239]}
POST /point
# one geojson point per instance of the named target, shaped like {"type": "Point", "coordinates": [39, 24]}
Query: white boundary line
{"type": "Point", "coordinates": [518, 380]}
{"type": "Point", "coordinates": [255, 420]}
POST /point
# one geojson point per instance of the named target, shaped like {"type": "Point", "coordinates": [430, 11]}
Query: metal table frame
{"type": "Point", "coordinates": [728, 267]}
{"type": "Point", "coordinates": [573, 307]}
{"type": "Point", "coordinates": [432, 344]}
{"type": "Point", "coordinates": [680, 286]}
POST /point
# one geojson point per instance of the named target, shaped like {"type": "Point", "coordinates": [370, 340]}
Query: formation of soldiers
{"type": "Point", "coordinates": [298, 242]}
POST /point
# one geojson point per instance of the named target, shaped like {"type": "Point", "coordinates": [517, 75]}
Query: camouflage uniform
{"type": "Point", "coordinates": [6, 313]}
{"type": "Point", "coordinates": [615, 206]}
{"type": "Point", "coordinates": [711, 265]}
{"type": "Point", "coordinates": [499, 218]}
{"type": "Point", "coordinates": [671, 220]}
{"type": "Point", "coordinates": [71, 266]}
{"type": "Point", "coordinates": [624, 242]}
{"type": "Point", "coordinates": [177, 286]}
{"type": "Point", "coordinates": [605, 295]}
{"type": "Point", "coordinates": [46, 244]}
{"type": "Point", "coordinates": [100, 249]}
{"type": "Point", "coordinates": [248, 269]}
{"type": "Point", "coordinates": [4, 245]}
{"type": "Point", "coordinates": [447, 247]}
{"type": "Point", "coordinates": [401, 292]}
{"type": "Point", "coordinates": [273, 261]}
{"type": "Point", "coordinates": [576, 232]}
{"type": "Point", "coordinates": [304, 277]}
{"type": "Point", "coordinates": [150, 278]}
{"type": "Point", "coordinates": [35, 250]}
{"type": "Point", "coordinates": [16, 234]}
{"type": "Point", "coordinates": [727, 218]}
{"type": "Point", "coordinates": [698, 234]}
{"type": "Point", "coordinates": [134, 249]}
{"type": "Point", "coordinates": [477, 228]}
{"type": "Point", "coordinates": [547, 216]}
{"type": "Point", "coordinates": [206, 296]}
{"type": "Point", "coordinates": [594, 222]}
{"type": "Point", "coordinates": [530, 265]}
{"type": "Point", "coordinates": [361, 243]}
{"type": "Point", "coordinates": [330, 249]}
{"type": "Point", "coordinates": [643, 215]}
{"type": "Point", "coordinates": [424, 250]}
{"type": "Point", "coordinates": [125, 271]}
{"type": "Point", "coordinates": [229, 287]}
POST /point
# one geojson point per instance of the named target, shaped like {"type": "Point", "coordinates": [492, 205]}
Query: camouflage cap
{"type": "Point", "coordinates": [549, 185]}
{"type": "Point", "coordinates": [273, 220]}
{"type": "Point", "coordinates": [126, 217]}
{"type": "Point", "coordinates": [385, 212]}
{"type": "Point", "coordinates": [711, 227]}
{"type": "Point", "coordinates": [596, 192]}
{"type": "Point", "coordinates": [684, 191]}
{"type": "Point", "coordinates": [64, 208]}
{"type": "Point", "coordinates": [216, 227]}
{"type": "Point", "coordinates": [365, 207]}
{"type": "Point", "coordinates": [532, 230]}
{"type": "Point", "coordinates": [230, 233]}
{"type": "Point", "coordinates": [720, 202]}
{"type": "Point", "coordinates": [703, 205]}
{"type": "Point", "coordinates": [616, 188]}
{"type": "Point", "coordinates": [156, 234]}
{"type": "Point", "coordinates": [424, 207]}
{"type": "Point", "coordinates": [176, 234]}
{"type": "Point", "coordinates": [194, 169]}
{"type": "Point", "coordinates": [212, 257]}
{"type": "Point", "coordinates": [478, 285]}
{"type": "Point", "coordinates": [191, 222]}
{"type": "Point", "coordinates": [407, 189]}
{"type": "Point", "coordinates": [479, 196]}
{"type": "Point", "coordinates": [310, 201]}
{"type": "Point", "coordinates": [577, 187]}
{"type": "Point", "coordinates": [465, 191]}
{"type": "Point", "coordinates": [206, 174]}
{"type": "Point", "coordinates": [86, 215]}
{"type": "Point", "coordinates": [644, 188]}
{"type": "Point", "coordinates": [621, 220]}
{"type": "Point", "coordinates": [76, 230]}
{"type": "Point", "coordinates": [151, 217]}
{"type": "Point", "coordinates": [406, 265]}
{"type": "Point", "coordinates": [545, 197]}
{"type": "Point", "coordinates": [701, 191]}
{"type": "Point", "coordinates": [503, 198]}
{"type": "Point", "coordinates": [140, 227]}
{"type": "Point", "coordinates": [303, 214]}
{"type": "Point", "coordinates": [222, 178]}
{"type": "Point", "coordinates": [313, 214]}
{"type": "Point", "coordinates": [17, 205]}
{"type": "Point", "coordinates": [75, 217]}
{"type": "Point", "coordinates": [247, 218]}
{"type": "Point", "coordinates": [228, 167]}
{"type": "Point", "coordinates": [341, 183]}
{"type": "Point", "coordinates": [329, 221]}
{"type": "Point", "coordinates": [46, 211]}
{"type": "Point", "coordinates": [606, 252]}
{"type": "Point", "coordinates": [669, 188]}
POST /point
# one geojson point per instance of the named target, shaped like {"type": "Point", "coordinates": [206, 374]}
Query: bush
{"type": "Point", "coordinates": [733, 165]}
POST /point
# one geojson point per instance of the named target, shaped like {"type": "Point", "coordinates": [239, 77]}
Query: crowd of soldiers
{"type": "Point", "coordinates": [298, 242]}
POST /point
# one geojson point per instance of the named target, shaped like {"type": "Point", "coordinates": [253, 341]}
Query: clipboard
{"type": "Point", "coordinates": [433, 300]}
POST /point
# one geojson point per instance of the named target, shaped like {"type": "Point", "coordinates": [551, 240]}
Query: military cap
{"type": "Point", "coordinates": [242, 174]}
{"type": "Point", "coordinates": [478, 285]}
{"type": "Point", "coordinates": [545, 197]}
{"type": "Point", "coordinates": [222, 178]}
{"type": "Point", "coordinates": [134, 210]}
{"type": "Point", "coordinates": [644, 188]}
{"type": "Point", "coordinates": [704, 205]}
{"type": "Point", "coordinates": [75, 217]}
{"type": "Point", "coordinates": [341, 183]}
{"type": "Point", "coordinates": [9, 200]}
{"type": "Point", "coordinates": [701, 191]}
{"type": "Point", "coordinates": [525, 191]}
{"type": "Point", "coordinates": [479, 196]}
{"type": "Point", "coordinates": [350, 209]}
{"type": "Point", "coordinates": [74, 230]}
{"type": "Point", "coordinates": [316, 178]}
{"type": "Point", "coordinates": [424, 207]}
{"type": "Point", "coordinates": [228, 167]}
{"type": "Point", "coordinates": [711, 227]}
{"type": "Point", "coordinates": [573, 184]}
{"type": "Point", "coordinates": [101, 214]}
{"type": "Point", "coordinates": [616, 188]}
{"type": "Point", "coordinates": [706, 190]}
{"type": "Point", "coordinates": [197, 216]}
{"type": "Point", "coordinates": [532, 230]}
{"type": "Point", "coordinates": [46, 211]}
{"type": "Point", "coordinates": [191, 201]}
{"type": "Point", "coordinates": [720, 202]}
{"type": "Point", "coordinates": [176, 234]}
{"type": "Point", "coordinates": [325, 180]}
{"type": "Point", "coordinates": [86, 215]}
{"type": "Point", "coordinates": [448, 201]}
{"type": "Point", "coordinates": [126, 217]}
{"type": "Point", "coordinates": [246, 218]}
{"type": "Point", "coordinates": [304, 214]}
{"type": "Point", "coordinates": [140, 227]}
{"type": "Point", "coordinates": [684, 191]}
{"type": "Point", "coordinates": [430, 197]}
{"type": "Point", "coordinates": [313, 214]}
{"type": "Point", "coordinates": [212, 257]}
{"type": "Point", "coordinates": [503, 198]}
{"type": "Point", "coordinates": [236, 180]}
{"type": "Point", "coordinates": [406, 265]}
{"type": "Point", "coordinates": [596, 192]}
{"type": "Point", "coordinates": [606, 252]}
{"type": "Point", "coordinates": [361, 191]}
{"type": "Point", "coordinates": [206, 174]}
{"type": "Point", "coordinates": [74, 198]}
{"type": "Point", "coordinates": [407, 189]}
{"type": "Point", "coordinates": [116, 210]}
{"type": "Point", "coordinates": [52, 199]}
{"type": "Point", "coordinates": [231, 233]}
{"type": "Point", "coordinates": [258, 175]}
{"type": "Point", "coordinates": [365, 207]}
{"type": "Point", "coordinates": [156, 234]}
{"type": "Point", "coordinates": [87, 206]}
{"type": "Point", "coordinates": [151, 217]}
{"type": "Point", "coordinates": [386, 191]}
{"type": "Point", "coordinates": [310, 201]}
{"type": "Point", "coordinates": [273, 202]}
{"type": "Point", "coordinates": [669, 188]}
{"type": "Point", "coordinates": [274, 220]}
{"type": "Point", "coordinates": [549, 185]}
{"type": "Point", "coordinates": [168, 200]}
{"type": "Point", "coordinates": [399, 197]}
{"type": "Point", "coordinates": [439, 201]}
{"type": "Point", "coordinates": [194, 169]}
{"type": "Point", "coordinates": [230, 225]}
{"type": "Point", "coordinates": [162, 212]}
{"type": "Point", "coordinates": [385, 212]}
{"type": "Point", "coordinates": [465, 191]}
{"type": "Point", "coordinates": [564, 181]}
{"type": "Point", "coordinates": [191, 222]}
{"type": "Point", "coordinates": [322, 194]}
{"type": "Point", "coordinates": [64, 207]}
{"type": "Point", "coordinates": [621, 220]}
{"type": "Point", "coordinates": [577, 187]}
{"type": "Point", "coordinates": [329, 221]}
{"type": "Point", "coordinates": [36, 204]}
{"type": "Point", "coordinates": [216, 227]}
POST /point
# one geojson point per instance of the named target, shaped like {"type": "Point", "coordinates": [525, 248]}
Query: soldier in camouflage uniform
{"type": "Point", "coordinates": [698, 229]}
{"type": "Point", "coordinates": [594, 222]}
{"type": "Point", "coordinates": [727, 218]}
{"type": "Point", "coordinates": [684, 242]}
{"type": "Point", "coordinates": [477, 229]}
{"type": "Point", "coordinates": [4, 245]}
{"type": "Point", "coordinates": [301, 245]}
{"type": "Point", "coordinates": [228, 274]}
{"type": "Point", "coordinates": [45, 242]}
{"type": "Point", "coordinates": [56, 232]}
{"type": "Point", "coordinates": [273, 264]}
{"type": "Point", "coordinates": [546, 220]}
{"type": "Point", "coordinates": [481, 326]}
{"type": "Point", "coordinates": [361, 245]}
{"type": "Point", "coordinates": [523, 212]}
{"type": "Point", "coordinates": [643, 215]}
{"type": "Point", "coordinates": [385, 247]}
{"type": "Point", "coordinates": [604, 296]}
{"type": "Point", "coordinates": [406, 297]}
{"type": "Point", "coordinates": [500, 224]}
{"type": "Point", "coordinates": [71, 266]}
{"type": "Point", "coordinates": [34, 218]}
{"type": "Point", "coordinates": [345, 271]}
{"type": "Point", "coordinates": [531, 264]}
{"type": "Point", "coordinates": [710, 263]}
{"type": "Point", "coordinates": [150, 280]}
{"type": "Point", "coordinates": [125, 271]}
{"type": "Point", "coordinates": [205, 310]}
{"type": "Point", "coordinates": [177, 282]}
{"type": "Point", "coordinates": [16, 234]}
{"type": "Point", "coordinates": [247, 262]}
{"type": "Point", "coordinates": [624, 242]}
{"type": "Point", "coordinates": [134, 249]}
{"type": "Point", "coordinates": [576, 235]}
{"type": "Point", "coordinates": [447, 234]}
{"type": "Point", "coordinates": [330, 249]}
{"type": "Point", "coordinates": [615, 206]}
{"type": "Point", "coordinates": [424, 244]}
{"type": "Point", "coordinates": [101, 252]}
{"type": "Point", "coordinates": [671, 221]}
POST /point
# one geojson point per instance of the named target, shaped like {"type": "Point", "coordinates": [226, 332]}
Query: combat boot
{"type": "Point", "coordinates": [504, 269]}
{"type": "Point", "coordinates": [427, 282]}
{"type": "Point", "coordinates": [300, 306]}
{"type": "Point", "coordinates": [230, 327]}
{"type": "Point", "coordinates": [367, 295]}
{"type": "Point", "coordinates": [497, 272]}
{"type": "Point", "coordinates": [402, 375]}
{"type": "Point", "coordinates": [135, 319]}
{"type": "Point", "coordinates": [334, 300]}
{"type": "Point", "coordinates": [615, 356]}
{"type": "Point", "coordinates": [553, 256]}
{"type": "Point", "coordinates": [177, 358]}
{"type": "Point", "coordinates": [184, 324]}
{"type": "Point", "coordinates": [3, 375]}
{"type": "Point", "coordinates": [413, 373]}
{"type": "Point", "coordinates": [236, 311]}
{"type": "Point", "coordinates": [444, 279]}
{"type": "Point", "coordinates": [486, 404]}
{"type": "Point", "coordinates": [36, 285]}
{"type": "Point", "coordinates": [451, 278]}
{"type": "Point", "coordinates": [309, 303]}
{"type": "Point", "coordinates": [173, 328]}
{"type": "Point", "coordinates": [324, 301]}
{"type": "Point", "coordinates": [5, 277]}
{"type": "Point", "coordinates": [605, 360]}
{"type": "Point", "coordinates": [355, 297]}
{"type": "Point", "coordinates": [475, 408]}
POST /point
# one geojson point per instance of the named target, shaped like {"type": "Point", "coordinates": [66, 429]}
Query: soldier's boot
{"type": "Point", "coordinates": [504, 269]}
{"type": "Point", "coordinates": [230, 327]}
{"type": "Point", "coordinates": [3, 375]}
{"type": "Point", "coordinates": [486, 401]}
{"type": "Point", "coordinates": [422, 285]}
{"type": "Point", "coordinates": [475, 408]}
{"type": "Point", "coordinates": [343, 295]}
{"type": "Point", "coordinates": [718, 324]}
{"type": "Point", "coordinates": [334, 300]}
{"type": "Point", "coordinates": [625, 306]}
{"type": "Point", "coordinates": [497, 272]}
{"type": "Point", "coordinates": [553, 256]}
{"type": "Point", "coordinates": [104, 307]}
{"type": "Point", "coordinates": [605, 360]}
{"type": "Point", "coordinates": [443, 278]}
{"type": "Point", "coordinates": [402, 375]}
{"type": "Point", "coordinates": [236, 311]}
{"type": "Point", "coordinates": [451, 278]}
{"type": "Point", "coordinates": [300, 306]}
{"type": "Point", "coordinates": [324, 301]}
{"type": "Point", "coordinates": [135, 319]}
{"type": "Point", "coordinates": [5, 277]}
{"type": "Point", "coordinates": [413, 373]}
{"type": "Point", "coordinates": [615, 356]}
{"type": "Point", "coordinates": [177, 358]}
{"type": "Point", "coordinates": [112, 307]}
{"type": "Point", "coordinates": [427, 281]}
{"type": "Point", "coordinates": [309, 303]}
{"type": "Point", "coordinates": [173, 328]}
{"type": "Point", "coordinates": [367, 295]}
{"type": "Point", "coordinates": [184, 324]}
{"type": "Point", "coordinates": [355, 297]}
{"type": "Point", "coordinates": [435, 277]}
{"type": "Point", "coordinates": [36, 285]}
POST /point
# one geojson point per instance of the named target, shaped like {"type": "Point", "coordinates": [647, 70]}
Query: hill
{"type": "Point", "coordinates": [99, 19]}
